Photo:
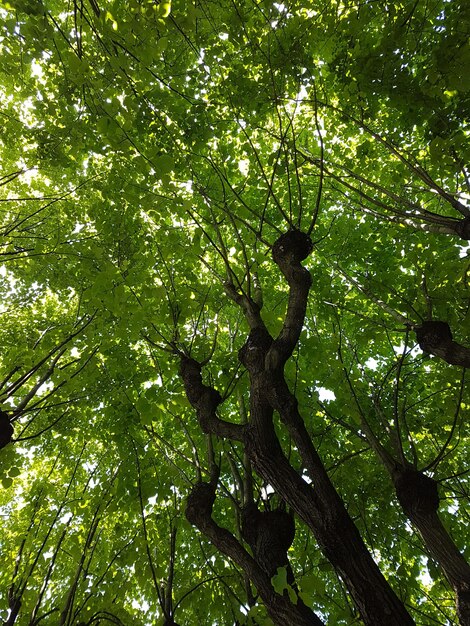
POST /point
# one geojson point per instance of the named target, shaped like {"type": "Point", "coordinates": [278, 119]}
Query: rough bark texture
{"type": "Point", "coordinates": [435, 338]}
{"type": "Point", "coordinates": [317, 504]}
{"type": "Point", "coordinates": [281, 610]}
{"type": "Point", "coordinates": [416, 492]}
{"type": "Point", "coordinates": [419, 498]}
{"type": "Point", "coordinates": [269, 535]}
{"type": "Point", "coordinates": [205, 400]}
{"type": "Point", "coordinates": [322, 510]}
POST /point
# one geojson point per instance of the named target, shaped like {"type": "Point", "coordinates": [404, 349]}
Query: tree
{"type": "Point", "coordinates": [235, 303]}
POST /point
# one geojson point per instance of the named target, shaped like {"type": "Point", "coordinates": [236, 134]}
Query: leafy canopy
{"type": "Point", "coordinates": [152, 153]}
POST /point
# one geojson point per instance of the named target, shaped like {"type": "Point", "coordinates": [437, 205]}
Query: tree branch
{"type": "Point", "coordinates": [281, 610]}
{"type": "Point", "coordinates": [205, 400]}
{"type": "Point", "coordinates": [288, 251]}
{"type": "Point", "coordinates": [435, 338]}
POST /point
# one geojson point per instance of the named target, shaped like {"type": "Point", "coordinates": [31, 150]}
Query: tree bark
{"type": "Point", "coordinates": [462, 228]}
{"type": "Point", "coordinates": [317, 504]}
{"type": "Point", "coordinates": [281, 610]}
{"type": "Point", "coordinates": [419, 499]}
{"type": "Point", "coordinates": [322, 510]}
{"type": "Point", "coordinates": [14, 604]}
{"type": "Point", "coordinates": [435, 338]}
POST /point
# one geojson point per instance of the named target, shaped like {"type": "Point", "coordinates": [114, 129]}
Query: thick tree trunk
{"type": "Point", "coordinates": [323, 511]}
{"type": "Point", "coordinates": [317, 504]}
{"type": "Point", "coordinates": [419, 498]}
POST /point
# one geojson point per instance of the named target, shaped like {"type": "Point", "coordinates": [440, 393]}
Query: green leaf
{"type": "Point", "coordinates": [153, 154]}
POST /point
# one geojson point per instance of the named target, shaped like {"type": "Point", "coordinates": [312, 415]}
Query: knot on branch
{"type": "Point", "coordinates": [291, 247]}
{"type": "Point", "coordinates": [199, 395]}
{"type": "Point", "coordinates": [6, 430]}
{"type": "Point", "coordinates": [269, 534]}
{"type": "Point", "coordinates": [416, 492]}
{"type": "Point", "coordinates": [199, 504]}
{"type": "Point", "coordinates": [462, 228]}
{"type": "Point", "coordinates": [436, 338]}
{"type": "Point", "coordinates": [253, 352]}
{"type": "Point", "coordinates": [431, 335]}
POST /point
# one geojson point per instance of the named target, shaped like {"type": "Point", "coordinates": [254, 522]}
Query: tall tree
{"type": "Point", "coordinates": [235, 313]}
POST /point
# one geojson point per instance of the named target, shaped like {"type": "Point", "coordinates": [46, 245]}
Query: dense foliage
{"type": "Point", "coordinates": [177, 400]}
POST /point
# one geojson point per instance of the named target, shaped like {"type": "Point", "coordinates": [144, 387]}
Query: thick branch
{"type": "Point", "coordinates": [436, 338]}
{"type": "Point", "coordinates": [317, 504]}
{"type": "Point", "coordinates": [321, 508]}
{"type": "Point", "coordinates": [249, 307]}
{"type": "Point", "coordinates": [205, 400]}
{"type": "Point", "coordinates": [288, 251]}
{"type": "Point", "coordinates": [462, 228]}
{"type": "Point", "coordinates": [419, 499]}
{"type": "Point", "coordinates": [281, 610]}
{"type": "Point", "coordinates": [14, 604]}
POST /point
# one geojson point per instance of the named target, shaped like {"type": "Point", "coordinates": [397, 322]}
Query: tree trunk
{"type": "Point", "coordinates": [317, 504]}
{"type": "Point", "coordinates": [419, 498]}
{"type": "Point", "coordinates": [323, 511]}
